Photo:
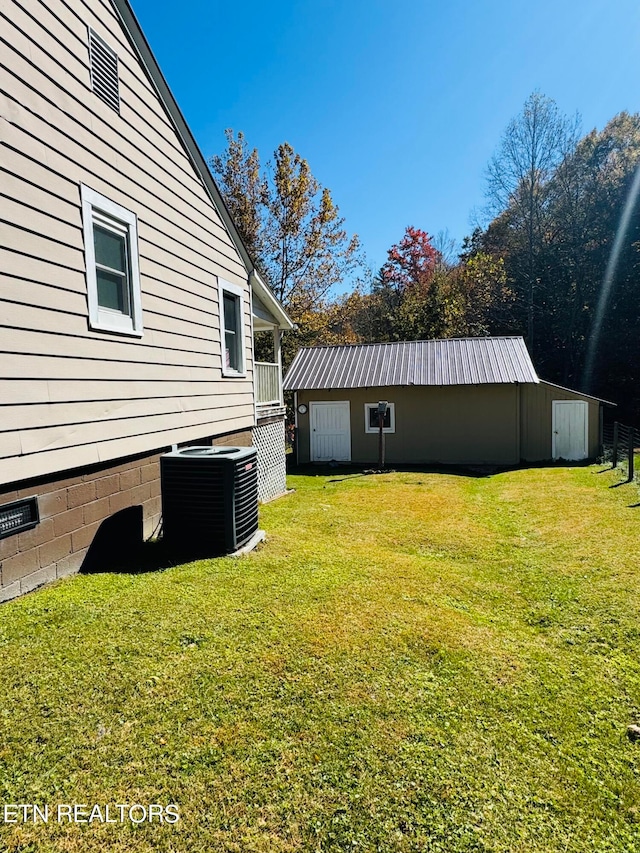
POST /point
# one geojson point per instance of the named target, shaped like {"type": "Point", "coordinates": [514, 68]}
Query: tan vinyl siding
{"type": "Point", "coordinates": [55, 438]}
{"type": "Point", "coordinates": [536, 417]}
{"type": "Point", "coordinates": [69, 368]}
{"type": "Point", "coordinates": [155, 201]}
{"type": "Point", "coordinates": [72, 396]}
{"type": "Point", "coordinates": [28, 417]}
{"type": "Point", "coordinates": [107, 171]}
{"type": "Point", "coordinates": [59, 64]}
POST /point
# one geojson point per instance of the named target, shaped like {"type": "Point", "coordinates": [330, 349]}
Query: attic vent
{"type": "Point", "coordinates": [104, 71]}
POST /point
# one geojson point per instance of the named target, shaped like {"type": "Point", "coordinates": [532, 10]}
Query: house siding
{"type": "Point", "coordinates": [73, 396]}
{"type": "Point", "coordinates": [453, 424]}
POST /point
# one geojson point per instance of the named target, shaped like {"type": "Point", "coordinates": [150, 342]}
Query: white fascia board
{"type": "Point", "coordinates": [266, 296]}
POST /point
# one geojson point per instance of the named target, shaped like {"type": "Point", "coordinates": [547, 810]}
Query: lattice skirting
{"type": "Point", "coordinates": [269, 440]}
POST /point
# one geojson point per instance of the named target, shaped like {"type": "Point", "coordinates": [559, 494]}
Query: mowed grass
{"type": "Point", "coordinates": [412, 662]}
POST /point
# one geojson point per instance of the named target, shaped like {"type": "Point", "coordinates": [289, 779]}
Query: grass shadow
{"type": "Point", "coordinates": [152, 556]}
{"type": "Point", "coordinates": [346, 471]}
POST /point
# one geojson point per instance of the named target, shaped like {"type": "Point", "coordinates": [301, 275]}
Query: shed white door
{"type": "Point", "coordinates": [570, 437]}
{"type": "Point", "coordinates": [330, 432]}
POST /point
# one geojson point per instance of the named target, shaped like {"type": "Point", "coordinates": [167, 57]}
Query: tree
{"type": "Point", "coordinates": [518, 176]}
{"type": "Point", "coordinates": [587, 264]}
{"type": "Point", "coordinates": [289, 222]}
{"type": "Point", "coordinates": [244, 190]}
{"type": "Point", "coordinates": [405, 300]}
{"type": "Point", "coordinates": [419, 293]}
{"type": "Point", "coordinates": [410, 263]}
{"type": "Point", "coordinates": [476, 299]}
{"type": "Point", "coordinates": [598, 228]}
{"type": "Point", "coordinates": [446, 248]}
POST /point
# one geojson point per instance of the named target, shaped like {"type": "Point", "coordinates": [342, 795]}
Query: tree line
{"type": "Point", "coordinates": [556, 260]}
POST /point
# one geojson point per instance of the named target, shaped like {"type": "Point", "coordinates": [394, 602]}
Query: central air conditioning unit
{"type": "Point", "coordinates": [209, 499]}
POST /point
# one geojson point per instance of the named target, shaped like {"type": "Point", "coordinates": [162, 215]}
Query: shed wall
{"type": "Point", "coordinates": [454, 424]}
{"type": "Point", "coordinates": [73, 396]}
{"type": "Point", "coordinates": [536, 420]}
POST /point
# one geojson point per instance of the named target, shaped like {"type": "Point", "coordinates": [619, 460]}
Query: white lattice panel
{"type": "Point", "coordinates": [272, 470]}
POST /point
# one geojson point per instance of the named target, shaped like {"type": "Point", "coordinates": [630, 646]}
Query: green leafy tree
{"type": "Point", "coordinates": [476, 298]}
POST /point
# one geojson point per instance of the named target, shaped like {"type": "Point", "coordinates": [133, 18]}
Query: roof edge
{"type": "Point", "coordinates": [573, 391]}
{"type": "Point", "coordinates": [420, 341]}
{"type": "Point", "coordinates": [270, 300]}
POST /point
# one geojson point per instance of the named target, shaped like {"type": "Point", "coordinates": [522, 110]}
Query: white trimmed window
{"type": "Point", "coordinates": [111, 256]}
{"type": "Point", "coordinates": [371, 418]}
{"type": "Point", "coordinates": [231, 314]}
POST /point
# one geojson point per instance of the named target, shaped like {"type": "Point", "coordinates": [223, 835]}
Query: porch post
{"type": "Point", "coordinates": [277, 352]}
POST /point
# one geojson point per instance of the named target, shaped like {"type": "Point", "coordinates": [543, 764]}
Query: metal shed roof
{"type": "Point", "coordinates": [457, 361]}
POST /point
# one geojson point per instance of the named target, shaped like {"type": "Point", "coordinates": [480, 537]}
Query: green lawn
{"type": "Point", "coordinates": [412, 662]}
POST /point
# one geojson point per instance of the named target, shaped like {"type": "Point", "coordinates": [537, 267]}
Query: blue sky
{"type": "Point", "coordinates": [397, 107]}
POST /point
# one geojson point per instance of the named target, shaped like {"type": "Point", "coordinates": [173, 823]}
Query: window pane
{"type": "Point", "coordinates": [231, 347]}
{"type": "Point", "coordinates": [230, 313]}
{"type": "Point", "coordinates": [373, 418]}
{"type": "Point", "coordinates": [112, 291]}
{"type": "Point", "coordinates": [232, 335]}
{"type": "Point", "coordinates": [111, 249]}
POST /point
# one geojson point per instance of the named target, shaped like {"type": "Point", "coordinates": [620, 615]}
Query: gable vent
{"type": "Point", "coordinates": [104, 71]}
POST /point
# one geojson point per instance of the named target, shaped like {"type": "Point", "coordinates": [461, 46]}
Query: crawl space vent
{"type": "Point", "coordinates": [18, 516]}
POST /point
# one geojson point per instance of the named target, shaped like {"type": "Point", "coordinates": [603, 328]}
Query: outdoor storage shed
{"type": "Point", "coordinates": [460, 401]}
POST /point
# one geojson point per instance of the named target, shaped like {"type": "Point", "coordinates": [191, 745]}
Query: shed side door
{"type": "Point", "coordinates": [330, 431]}
{"type": "Point", "coordinates": [570, 439]}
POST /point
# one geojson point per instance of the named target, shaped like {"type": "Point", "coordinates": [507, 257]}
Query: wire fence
{"type": "Point", "coordinates": [621, 447]}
